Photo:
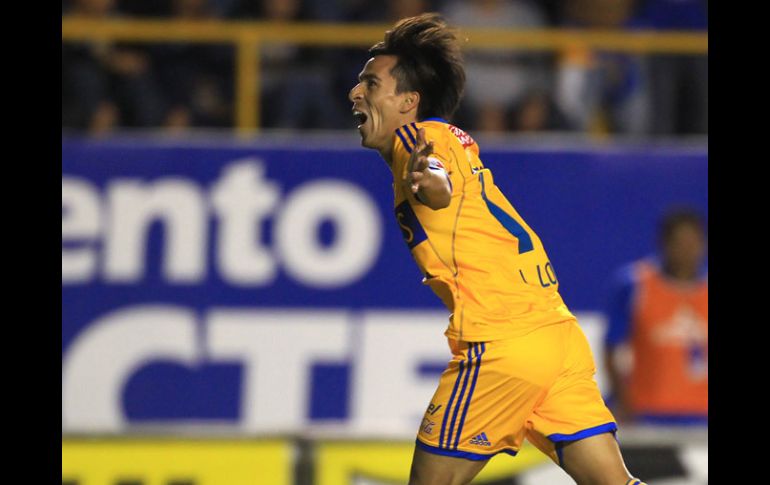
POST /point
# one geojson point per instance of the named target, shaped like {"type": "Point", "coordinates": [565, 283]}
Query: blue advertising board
{"type": "Point", "coordinates": [174, 254]}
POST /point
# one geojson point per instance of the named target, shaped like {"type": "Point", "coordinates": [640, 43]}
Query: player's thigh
{"type": "Point", "coordinates": [573, 408]}
{"type": "Point", "coordinates": [595, 460]}
{"type": "Point", "coordinates": [432, 469]}
{"type": "Point", "coordinates": [485, 397]}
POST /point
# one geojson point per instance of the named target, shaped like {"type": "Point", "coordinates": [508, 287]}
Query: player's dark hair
{"type": "Point", "coordinates": [680, 216]}
{"type": "Point", "coordinates": [429, 62]}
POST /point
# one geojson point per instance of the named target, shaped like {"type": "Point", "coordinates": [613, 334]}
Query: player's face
{"type": "Point", "coordinates": [377, 107]}
{"type": "Point", "coordinates": [685, 248]}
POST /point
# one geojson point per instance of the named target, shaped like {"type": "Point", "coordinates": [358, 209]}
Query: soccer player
{"type": "Point", "coordinates": [521, 365]}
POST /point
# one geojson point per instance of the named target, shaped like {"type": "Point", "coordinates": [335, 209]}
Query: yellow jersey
{"type": "Point", "coordinates": [477, 254]}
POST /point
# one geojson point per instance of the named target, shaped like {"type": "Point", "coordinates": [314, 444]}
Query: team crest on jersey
{"type": "Point", "coordinates": [464, 138]}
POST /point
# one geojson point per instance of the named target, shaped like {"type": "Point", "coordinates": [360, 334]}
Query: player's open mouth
{"type": "Point", "coordinates": [360, 117]}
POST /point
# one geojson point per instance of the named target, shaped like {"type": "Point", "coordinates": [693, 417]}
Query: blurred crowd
{"type": "Point", "coordinates": [108, 86]}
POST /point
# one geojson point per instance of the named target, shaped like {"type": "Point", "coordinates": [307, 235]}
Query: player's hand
{"type": "Point", "coordinates": [418, 162]}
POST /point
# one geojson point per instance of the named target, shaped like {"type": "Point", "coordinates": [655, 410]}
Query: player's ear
{"type": "Point", "coordinates": [410, 101]}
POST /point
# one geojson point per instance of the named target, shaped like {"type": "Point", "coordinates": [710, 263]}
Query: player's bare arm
{"type": "Point", "coordinates": [429, 186]}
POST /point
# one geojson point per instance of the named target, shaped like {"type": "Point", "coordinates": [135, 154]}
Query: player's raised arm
{"type": "Point", "coordinates": [429, 186]}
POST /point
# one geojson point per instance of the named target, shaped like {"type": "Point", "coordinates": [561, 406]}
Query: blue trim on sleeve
{"type": "Point", "coordinates": [411, 229]}
{"type": "Point", "coordinates": [586, 433]}
{"type": "Point", "coordinates": [409, 134]}
{"type": "Point", "coordinates": [461, 454]}
{"type": "Point", "coordinates": [403, 140]}
{"type": "Point", "coordinates": [416, 132]}
{"type": "Point", "coordinates": [619, 312]}
{"type": "Point", "coordinates": [508, 222]}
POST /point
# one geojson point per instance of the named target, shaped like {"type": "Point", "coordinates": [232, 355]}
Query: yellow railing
{"type": "Point", "coordinates": [248, 36]}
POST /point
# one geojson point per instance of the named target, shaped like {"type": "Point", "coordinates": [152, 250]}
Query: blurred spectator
{"type": "Point", "coordinates": [658, 321]}
{"type": "Point", "coordinates": [389, 11]}
{"type": "Point", "coordinates": [178, 85]}
{"type": "Point", "coordinates": [499, 81]}
{"type": "Point", "coordinates": [553, 11]}
{"type": "Point", "coordinates": [602, 92]}
{"type": "Point", "coordinates": [296, 82]}
{"type": "Point", "coordinates": [678, 83]}
{"type": "Point", "coordinates": [106, 84]}
{"type": "Point", "coordinates": [536, 112]}
{"type": "Point", "coordinates": [144, 8]}
{"type": "Point", "coordinates": [197, 79]}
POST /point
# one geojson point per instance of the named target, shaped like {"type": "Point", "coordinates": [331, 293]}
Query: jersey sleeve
{"type": "Point", "coordinates": [619, 307]}
{"type": "Point", "coordinates": [402, 148]}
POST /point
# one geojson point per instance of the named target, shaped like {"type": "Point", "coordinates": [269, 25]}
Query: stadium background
{"type": "Point", "coordinates": [237, 304]}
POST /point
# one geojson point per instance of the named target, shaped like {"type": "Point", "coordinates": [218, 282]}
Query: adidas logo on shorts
{"type": "Point", "coordinates": [481, 440]}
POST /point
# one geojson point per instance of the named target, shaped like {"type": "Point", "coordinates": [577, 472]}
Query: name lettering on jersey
{"type": "Point", "coordinates": [549, 273]}
{"type": "Point", "coordinates": [543, 270]}
{"type": "Point", "coordinates": [464, 138]}
{"type": "Point", "coordinates": [411, 228]}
